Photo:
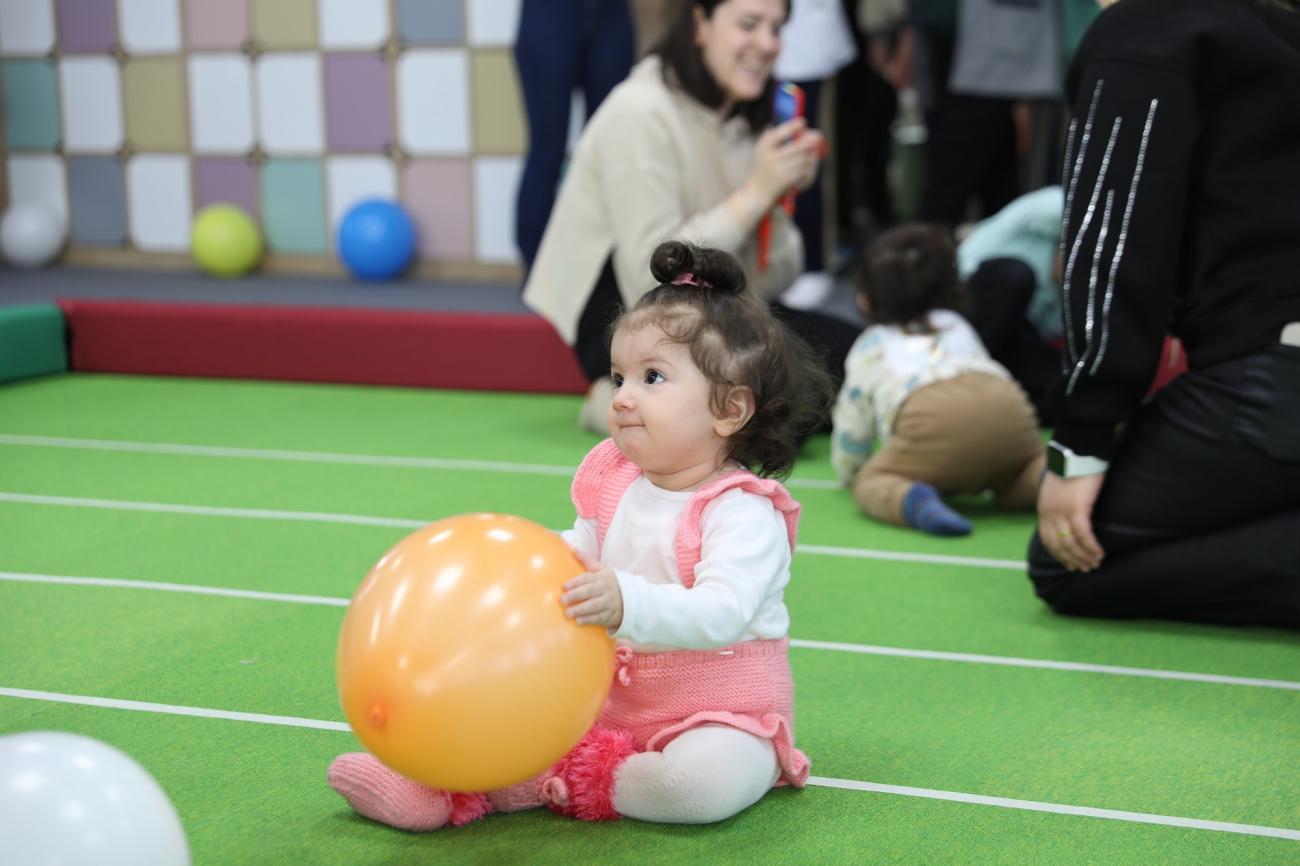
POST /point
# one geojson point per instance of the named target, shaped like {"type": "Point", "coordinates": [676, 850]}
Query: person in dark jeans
{"type": "Point", "coordinates": [1179, 215]}
{"type": "Point", "coordinates": [562, 46]}
{"type": "Point", "coordinates": [971, 147]}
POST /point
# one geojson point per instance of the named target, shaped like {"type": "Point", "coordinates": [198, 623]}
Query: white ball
{"type": "Point", "coordinates": [69, 799]}
{"type": "Point", "coordinates": [31, 235]}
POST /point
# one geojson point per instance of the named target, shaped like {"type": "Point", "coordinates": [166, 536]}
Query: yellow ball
{"type": "Point", "coordinates": [225, 241]}
{"type": "Point", "coordinates": [456, 664]}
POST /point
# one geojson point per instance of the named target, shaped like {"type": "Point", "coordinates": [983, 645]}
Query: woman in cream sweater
{"type": "Point", "coordinates": [681, 149]}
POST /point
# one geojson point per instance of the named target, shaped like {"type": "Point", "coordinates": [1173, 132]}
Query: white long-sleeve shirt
{"type": "Point", "coordinates": [884, 366]}
{"type": "Point", "coordinates": [739, 582]}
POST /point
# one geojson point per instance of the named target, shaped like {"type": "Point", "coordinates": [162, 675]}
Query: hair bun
{"type": "Point", "coordinates": [708, 269]}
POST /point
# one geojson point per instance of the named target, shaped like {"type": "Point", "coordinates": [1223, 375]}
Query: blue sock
{"type": "Point", "coordinates": [924, 509]}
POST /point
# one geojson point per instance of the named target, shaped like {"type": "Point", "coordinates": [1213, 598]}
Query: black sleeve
{"type": "Point", "coordinates": [1126, 175]}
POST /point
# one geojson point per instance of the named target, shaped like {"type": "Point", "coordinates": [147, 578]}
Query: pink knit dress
{"type": "Point", "coordinates": [657, 696]}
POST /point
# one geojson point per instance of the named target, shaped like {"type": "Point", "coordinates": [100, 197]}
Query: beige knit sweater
{"type": "Point", "coordinates": [652, 164]}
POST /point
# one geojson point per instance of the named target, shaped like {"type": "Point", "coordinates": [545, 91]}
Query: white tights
{"type": "Point", "coordinates": [707, 774]}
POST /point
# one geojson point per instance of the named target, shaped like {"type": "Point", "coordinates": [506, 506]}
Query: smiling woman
{"type": "Point", "coordinates": [681, 149]}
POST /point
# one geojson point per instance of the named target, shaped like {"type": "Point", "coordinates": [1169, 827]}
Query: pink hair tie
{"type": "Point", "coordinates": [689, 279]}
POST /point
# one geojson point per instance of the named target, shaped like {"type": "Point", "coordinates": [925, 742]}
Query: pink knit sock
{"type": "Point", "coordinates": [581, 785]}
{"type": "Point", "coordinates": [516, 798]}
{"type": "Point", "coordinates": [390, 798]}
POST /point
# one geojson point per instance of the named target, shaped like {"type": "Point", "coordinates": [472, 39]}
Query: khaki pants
{"type": "Point", "coordinates": [973, 433]}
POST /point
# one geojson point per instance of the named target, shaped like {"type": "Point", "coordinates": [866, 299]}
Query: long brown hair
{"type": "Point", "coordinates": [684, 67]}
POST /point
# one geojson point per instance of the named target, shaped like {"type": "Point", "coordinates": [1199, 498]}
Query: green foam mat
{"type": "Point", "coordinates": [32, 341]}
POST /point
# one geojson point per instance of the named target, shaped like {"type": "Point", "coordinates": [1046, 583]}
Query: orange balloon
{"type": "Point", "coordinates": [457, 666]}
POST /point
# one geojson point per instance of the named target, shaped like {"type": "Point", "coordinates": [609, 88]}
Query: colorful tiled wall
{"type": "Point", "coordinates": [131, 115]}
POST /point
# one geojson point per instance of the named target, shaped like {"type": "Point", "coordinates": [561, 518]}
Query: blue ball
{"type": "Point", "coordinates": [376, 240]}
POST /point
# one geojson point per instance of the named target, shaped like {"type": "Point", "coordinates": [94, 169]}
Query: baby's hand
{"type": "Point", "coordinates": [593, 598]}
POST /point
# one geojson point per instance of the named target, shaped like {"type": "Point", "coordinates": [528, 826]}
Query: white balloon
{"type": "Point", "coordinates": [31, 235]}
{"type": "Point", "coordinates": [68, 799]}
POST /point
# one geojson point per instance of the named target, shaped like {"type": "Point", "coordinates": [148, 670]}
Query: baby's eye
{"type": "Point", "coordinates": [653, 376]}
{"type": "Point", "coordinates": [617, 379]}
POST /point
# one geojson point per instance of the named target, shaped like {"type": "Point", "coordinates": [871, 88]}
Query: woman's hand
{"type": "Point", "coordinates": [593, 597]}
{"type": "Point", "coordinates": [1065, 520]}
{"type": "Point", "coordinates": [785, 158]}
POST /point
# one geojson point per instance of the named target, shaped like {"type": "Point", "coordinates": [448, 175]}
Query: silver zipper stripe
{"type": "Point", "coordinates": [1088, 215]}
{"type": "Point", "coordinates": [1069, 204]}
{"type": "Point", "coordinates": [1092, 288]}
{"type": "Point", "coordinates": [1123, 236]}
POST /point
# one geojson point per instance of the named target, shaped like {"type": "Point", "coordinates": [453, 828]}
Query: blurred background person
{"type": "Point", "coordinates": [682, 150]}
{"type": "Point", "coordinates": [562, 46]}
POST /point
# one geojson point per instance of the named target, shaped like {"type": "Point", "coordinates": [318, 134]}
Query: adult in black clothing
{"type": "Point", "coordinates": [1182, 177]}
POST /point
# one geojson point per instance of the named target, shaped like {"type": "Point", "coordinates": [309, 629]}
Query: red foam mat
{"type": "Point", "coordinates": [310, 344]}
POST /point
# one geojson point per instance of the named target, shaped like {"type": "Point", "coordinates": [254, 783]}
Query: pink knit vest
{"type": "Point", "coordinates": [657, 696]}
{"type": "Point", "coordinates": [605, 475]}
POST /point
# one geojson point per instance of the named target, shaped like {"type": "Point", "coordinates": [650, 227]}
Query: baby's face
{"type": "Point", "coordinates": [661, 417]}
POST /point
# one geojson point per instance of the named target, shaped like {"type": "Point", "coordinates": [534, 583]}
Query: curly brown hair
{"type": "Point", "coordinates": [735, 341]}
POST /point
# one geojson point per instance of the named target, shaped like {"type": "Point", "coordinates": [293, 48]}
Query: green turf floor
{"type": "Point", "coordinates": [299, 489]}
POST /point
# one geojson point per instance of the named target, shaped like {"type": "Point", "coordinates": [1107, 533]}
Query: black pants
{"type": "Point", "coordinates": [1200, 512]}
{"type": "Point", "coordinates": [1000, 291]}
{"type": "Point", "coordinates": [808, 204]}
{"type": "Point", "coordinates": [971, 148]}
{"type": "Point", "coordinates": [562, 47]}
{"type": "Point", "coordinates": [830, 336]}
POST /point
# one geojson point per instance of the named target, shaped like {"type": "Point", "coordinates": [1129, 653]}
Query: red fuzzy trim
{"type": "Point", "coordinates": [588, 773]}
{"type": "Point", "coordinates": [468, 807]}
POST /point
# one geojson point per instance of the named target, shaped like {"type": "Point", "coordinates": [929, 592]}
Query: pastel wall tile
{"type": "Point", "coordinates": [150, 26]}
{"type": "Point", "coordinates": [436, 193]}
{"type": "Point", "coordinates": [293, 205]}
{"type": "Point", "coordinates": [284, 23]}
{"type": "Point", "coordinates": [90, 96]}
{"type": "Point", "coordinates": [38, 179]}
{"type": "Point", "coordinates": [289, 103]}
{"type": "Point", "coordinates": [87, 25]}
{"type": "Point", "coordinates": [433, 102]}
{"type": "Point", "coordinates": [497, 109]}
{"type": "Point", "coordinates": [216, 25]}
{"type": "Point", "coordinates": [357, 102]}
{"type": "Point", "coordinates": [97, 198]}
{"type": "Point", "coordinates": [31, 105]}
{"type": "Point", "coordinates": [221, 103]}
{"type": "Point", "coordinates": [422, 22]}
{"type": "Point", "coordinates": [496, 182]}
{"type": "Point", "coordinates": [353, 179]}
{"type": "Point", "coordinates": [226, 179]}
{"type": "Point", "coordinates": [158, 202]}
{"type": "Point", "coordinates": [353, 23]}
{"type": "Point", "coordinates": [26, 27]}
{"type": "Point", "coordinates": [493, 22]}
{"type": "Point", "coordinates": [154, 96]}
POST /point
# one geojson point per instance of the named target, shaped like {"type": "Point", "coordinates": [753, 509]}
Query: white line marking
{"type": "Point", "coordinates": [212, 511]}
{"type": "Point", "coordinates": [1049, 664]}
{"type": "Point", "coordinates": [172, 709]}
{"type": "Point", "coordinates": [159, 586]}
{"type": "Point", "coordinates": [325, 457]}
{"type": "Point", "coordinates": [864, 649]}
{"type": "Point", "coordinates": [1058, 808]}
{"type": "Point", "coordinates": [821, 781]}
{"type": "Point", "coordinates": [410, 523]}
{"type": "Point", "coordinates": [900, 556]}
